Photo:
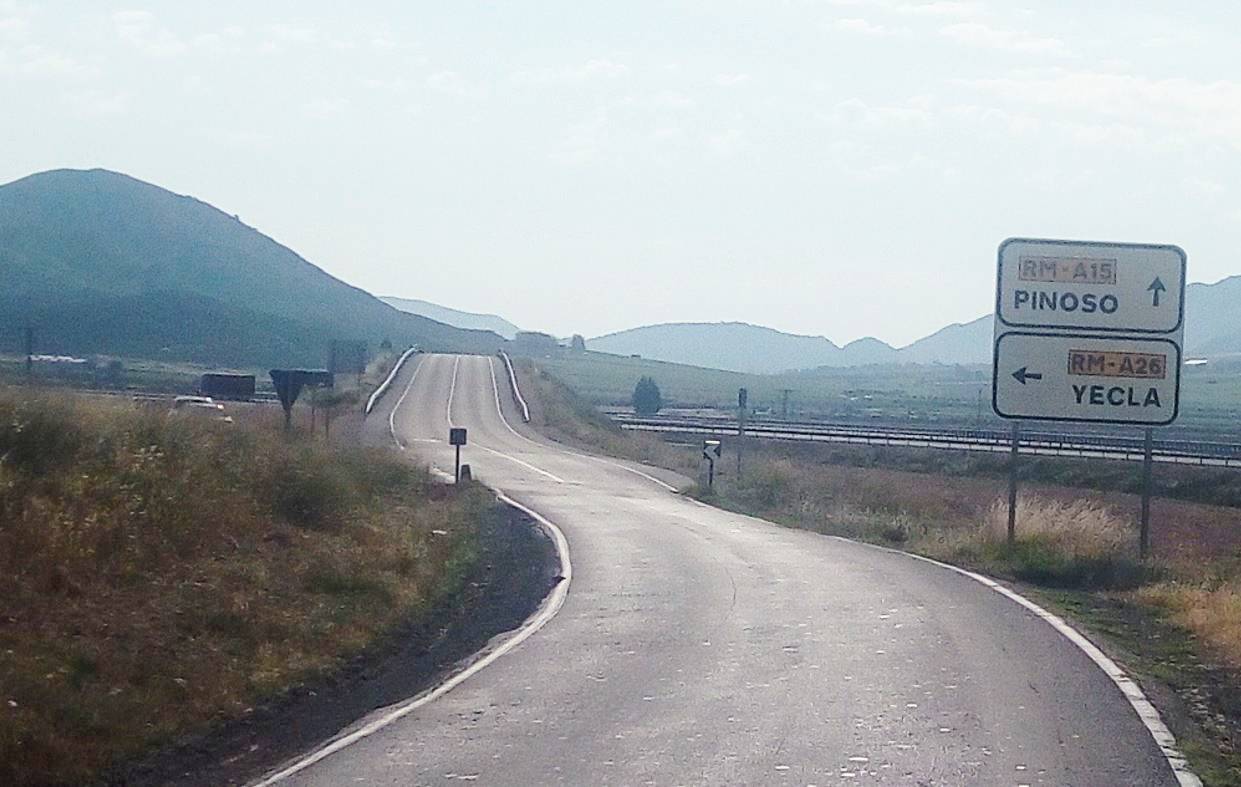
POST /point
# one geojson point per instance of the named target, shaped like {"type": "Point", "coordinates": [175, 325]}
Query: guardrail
{"type": "Point", "coordinates": [1033, 443]}
{"type": "Point", "coordinates": [512, 378]}
{"type": "Point", "coordinates": [378, 393]}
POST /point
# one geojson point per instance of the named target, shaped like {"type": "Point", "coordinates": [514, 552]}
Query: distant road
{"type": "Point", "coordinates": [695, 646]}
{"type": "Point", "coordinates": [1033, 441]}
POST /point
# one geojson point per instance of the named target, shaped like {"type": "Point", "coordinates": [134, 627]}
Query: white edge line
{"type": "Point", "coordinates": [1146, 711]}
{"type": "Point", "coordinates": [397, 406]}
{"type": "Point", "coordinates": [550, 606]}
{"type": "Point", "coordinates": [495, 386]}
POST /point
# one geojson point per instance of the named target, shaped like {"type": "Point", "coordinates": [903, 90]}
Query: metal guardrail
{"type": "Point", "coordinates": [512, 378]}
{"type": "Point", "coordinates": [1188, 452]}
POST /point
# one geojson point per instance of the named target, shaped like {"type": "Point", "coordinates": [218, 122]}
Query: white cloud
{"type": "Point", "coordinates": [591, 70]}
{"type": "Point", "coordinates": [141, 30]}
{"type": "Point", "coordinates": [326, 107]}
{"type": "Point", "coordinates": [451, 83]}
{"type": "Point", "coordinates": [984, 35]}
{"type": "Point", "coordinates": [1203, 109]}
{"type": "Point", "coordinates": [731, 80]}
{"type": "Point", "coordinates": [34, 60]}
{"type": "Point", "coordinates": [863, 27]}
{"type": "Point", "coordinates": [727, 143]}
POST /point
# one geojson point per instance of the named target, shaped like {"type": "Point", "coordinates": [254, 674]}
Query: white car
{"type": "Point", "coordinates": [201, 405]}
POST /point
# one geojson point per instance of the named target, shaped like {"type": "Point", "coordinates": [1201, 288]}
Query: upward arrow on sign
{"type": "Point", "coordinates": [1156, 288]}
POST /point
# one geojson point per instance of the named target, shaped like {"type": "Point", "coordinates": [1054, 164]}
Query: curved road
{"type": "Point", "coordinates": [701, 647]}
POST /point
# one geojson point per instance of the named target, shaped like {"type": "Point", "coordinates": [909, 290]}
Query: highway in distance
{"type": "Point", "coordinates": [695, 646]}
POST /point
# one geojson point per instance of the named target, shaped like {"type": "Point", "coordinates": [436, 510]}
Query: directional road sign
{"type": "Point", "coordinates": [1088, 331]}
{"type": "Point", "coordinates": [1079, 377]}
{"type": "Point", "coordinates": [1122, 288]}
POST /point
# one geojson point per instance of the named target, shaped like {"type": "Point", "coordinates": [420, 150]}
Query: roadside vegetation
{"type": "Point", "coordinates": [1175, 617]}
{"type": "Point", "coordinates": [160, 573]}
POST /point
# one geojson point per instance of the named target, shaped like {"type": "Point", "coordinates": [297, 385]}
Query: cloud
{"type": "Point", "coordinates": [591, 70]}
{"type": "Point", "coordinates": [326, 107]}
{"type": "Point", "coordinates": [140, 30]}
{"type": "Point", "coordinates": [731, 80]}
{"type": "Point", "coordinates": [863, 27]}
{"type": "Point", "coordinates": [450, 83]}
{"type": "Point", "coordinates": [1182, 106]}
{"type": "Point", "coordinates": [35, 60]}
{"type": "Point", "coordinates": [943, 8]}
{"type": "Point", "coordinates": [983, 35]}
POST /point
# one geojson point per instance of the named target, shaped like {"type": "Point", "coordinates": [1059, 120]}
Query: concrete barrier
{"type": "Point", "coordinates": [512, 379]}
{"type": "Point", "coordinates": [387, 383]}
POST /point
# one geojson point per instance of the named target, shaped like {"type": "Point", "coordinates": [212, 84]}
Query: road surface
{"type": "Point", "coordinates": [696, 646]}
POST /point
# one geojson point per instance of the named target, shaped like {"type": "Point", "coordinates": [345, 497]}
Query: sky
{"type": "Point", "coordinates": [828, 167]}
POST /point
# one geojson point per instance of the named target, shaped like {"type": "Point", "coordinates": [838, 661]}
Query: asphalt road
{"type": "Point", "coordinates": [701, 647]}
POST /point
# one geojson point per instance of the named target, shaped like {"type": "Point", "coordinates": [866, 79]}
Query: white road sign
{"type": "Point", "coordinates": [1069, 377]}
{"type": "Point", "coordinates": [1121, 288]}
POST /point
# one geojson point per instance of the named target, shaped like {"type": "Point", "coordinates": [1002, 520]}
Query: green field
{"type": "Point", "coordinates": [911, 394]}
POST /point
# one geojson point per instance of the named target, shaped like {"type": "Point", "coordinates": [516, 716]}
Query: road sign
{"type": "Point", "coordinates": [1081, 377]}
{"type": "Point", "coordinates": [1123, 288]}
{"type": "Point", "coordinates": [456, 435]}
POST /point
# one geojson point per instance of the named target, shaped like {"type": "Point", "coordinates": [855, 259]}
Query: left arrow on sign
{"type": "Point", "coordinates": [1021, 375]}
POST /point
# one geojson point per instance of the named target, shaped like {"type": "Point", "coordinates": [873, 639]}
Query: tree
{"type": "Point", "coordinates": [577, 344]}
{"type": "Point", "coordinates": [646, 397]}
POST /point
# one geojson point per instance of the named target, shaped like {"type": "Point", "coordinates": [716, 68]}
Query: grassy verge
{"type": "Point", "coordinates": [1174, 621]}
{"type": "Point", "coordinates": [160, 573]}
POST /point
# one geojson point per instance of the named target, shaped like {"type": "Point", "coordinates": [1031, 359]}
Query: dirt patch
{"type": "Point", "coordinates": [516, 569]}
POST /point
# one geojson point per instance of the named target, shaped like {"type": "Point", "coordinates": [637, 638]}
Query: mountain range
{"type": "Point", "coordinates": [755, 349]}
{"type": "Point", "coordinates": [461, 319]}
{"type": "Point", "coordinates": [1212, 330]}
{"type": "Point", "coordinates": [99, 262]}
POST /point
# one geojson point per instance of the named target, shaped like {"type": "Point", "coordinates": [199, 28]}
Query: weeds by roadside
{"type": "Point", "coordinates": [159, 573]}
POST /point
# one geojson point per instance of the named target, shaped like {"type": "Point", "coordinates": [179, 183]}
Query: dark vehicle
{"type": "Point", "coordinates": [227, 386]}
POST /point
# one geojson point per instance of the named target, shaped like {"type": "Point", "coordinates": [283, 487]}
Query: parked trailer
{"type": "Point", "coordinates": [218, 385]}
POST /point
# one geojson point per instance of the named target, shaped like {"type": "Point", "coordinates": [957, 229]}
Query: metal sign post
{"type": "Point", "coordinates": [742, 397]}
{"type": "Point", "coordinates": [1088, 332]}
{"type": "Point", "coordinates": [457, 437]}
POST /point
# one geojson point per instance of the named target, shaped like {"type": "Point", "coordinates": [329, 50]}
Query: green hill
{"type": "Point", "coordinates": [102, 263]}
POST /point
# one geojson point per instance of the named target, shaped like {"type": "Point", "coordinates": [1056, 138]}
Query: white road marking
{"type": "Point", "coordinates": [1147, 712]}
{"type": "Point", "coordinates": [551, 605]}
{"type": "Point", "coordinates": [452, 388]}
{"type": "Point", "coordinates": [399, 402]}
{"type": "Point", "coordinates": [500, 411]}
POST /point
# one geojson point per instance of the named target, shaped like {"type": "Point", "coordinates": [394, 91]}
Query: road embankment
{"type": "Point", "coordinates": [174, 590]}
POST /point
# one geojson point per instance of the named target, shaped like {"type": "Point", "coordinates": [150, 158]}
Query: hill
{"type": "Point", "coordinates": [454, 317]}
{"type": "Point", "coordinates": [100, 262]}
{"type": "Point", "coordinates": [733, 346]}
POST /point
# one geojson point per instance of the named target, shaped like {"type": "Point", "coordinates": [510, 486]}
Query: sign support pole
{"type": "Point", "coordinates": [1012, 485]}
{"type": "Point", "coordinates": [1144, 536]}
{"type": "Point", "coordinates": [457, 473]}
{"type": "Point", "coordinates": [29, 354]}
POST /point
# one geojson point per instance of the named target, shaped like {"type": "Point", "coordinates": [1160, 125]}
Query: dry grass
{"type": "Point", "coordinates": [559, 413]}
{"type": "Point", "coordinates": [158, 573]}
{"type": "Point", "coordinates": [1077, 528]}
